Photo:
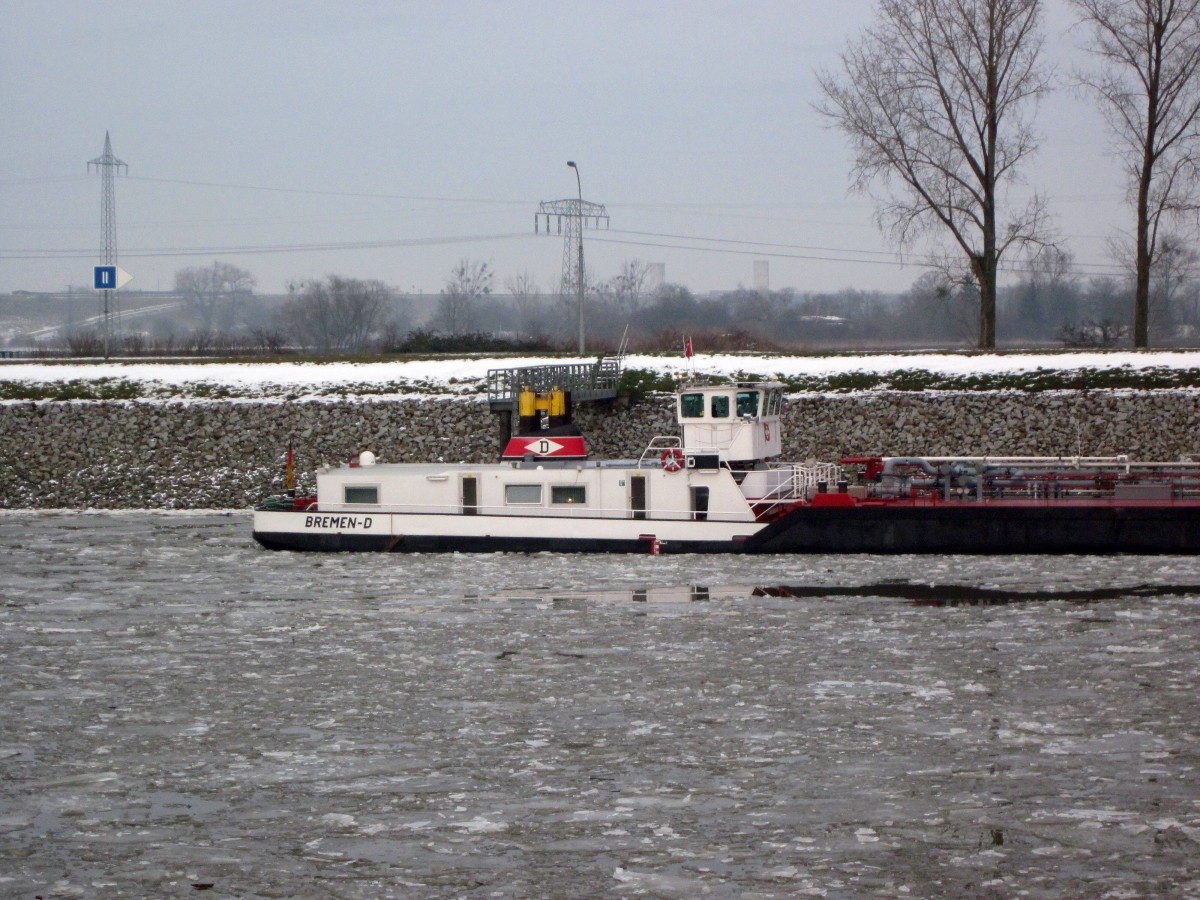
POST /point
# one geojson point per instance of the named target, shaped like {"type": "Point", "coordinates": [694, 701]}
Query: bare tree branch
{"type": "Point", "coordinates": [933, 99]}
{"type": "Point", "coordinates": [468, 282]}
{"type": "Point", "coordinates": [211, 294]}
{"type": "Point", "coordinates": [629, 285]}
{"type": "Point", "coordinates": [531, 317]}
{"type": "Point", "coordinates": [1148, 83]}
{"type": "Point", "coordinates": [336, 313]}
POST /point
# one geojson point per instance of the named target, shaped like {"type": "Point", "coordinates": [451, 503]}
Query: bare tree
{"type": "Point", "coordinates": [468, 282]}
{"type": "Point", "coordinates": [1048, 294]}
{"type": "Point", "coordinates": [268, 340]}
{"type": "Point", "coordinates": [629, 285]}
{"type": "Point", "coordinates": [932, 100]}
{"type": "Point", "coordinates": [1172, 286]}
{"type": "Point", "coordinates": [84, 342]}
{"type": "Point", "coordinates": [939, 308]}
{"type": "Point", "coordinates": [337, 314]}
{"type": "Point", "coordinates": [1105, 297]}
{"type": "Point", "coordinates": [212, 293]}
{"type": "Point", "coordinates": [527, 296]}
{"type": "Point", "coordinates": [1149, 87]}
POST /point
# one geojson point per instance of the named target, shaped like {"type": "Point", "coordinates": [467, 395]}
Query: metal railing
{"type": "Point", "coordinates": [585, 381]}
{"type": "Point", "coordinates": [657, 446]}
{"type": "Point", "coordinates": [797, 482]}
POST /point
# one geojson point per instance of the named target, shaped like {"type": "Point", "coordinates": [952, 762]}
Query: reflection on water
{"type": "Point", "coordinates": [183, 711]}
{"type": "Point", "coordinates": [919, 593]}
{"type": "Point", "coordinates": [666, 594]}
{"type": "Point", "coordinates": [922, 594]}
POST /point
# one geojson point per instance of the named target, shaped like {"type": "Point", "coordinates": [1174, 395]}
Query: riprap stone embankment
{"type": "Point", "coordinates": [229, 454]}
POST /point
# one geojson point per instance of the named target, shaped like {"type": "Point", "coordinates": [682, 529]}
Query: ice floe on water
{"type": "Point", "coordinates": [183, 711]}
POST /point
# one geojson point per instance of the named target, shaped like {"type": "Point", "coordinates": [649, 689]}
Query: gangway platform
{"type": "Point", "coordinates": [586, 382]}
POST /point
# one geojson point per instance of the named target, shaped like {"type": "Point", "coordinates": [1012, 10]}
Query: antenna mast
{"type": "Point", "coordinates": [107, 165]}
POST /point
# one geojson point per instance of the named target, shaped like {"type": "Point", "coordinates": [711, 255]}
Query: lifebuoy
{"type": "Point", "coordinates": [672, 459]}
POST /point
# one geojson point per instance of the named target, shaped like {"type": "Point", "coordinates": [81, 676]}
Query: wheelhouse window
{"type": "Point", "coordinates": [720, 406]}
{"type": "Point", "coordinates": [361, 493]}
{"type": "Point", "coordinates": [522, 494]}
{"type": "Point", "coordinates": [691, 406]}
{"type": "Point", "coordinates": [568, 494]}
{"type": "Point", "coordinates": [747, 403]}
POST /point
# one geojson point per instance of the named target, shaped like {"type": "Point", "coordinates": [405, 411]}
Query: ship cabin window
{"type": "Point", "coordinates": [361, 493]}
{"type": "Point", "coordinates": [747, 404]}
{"type": "Point", "coordinates": [522, 494]}
{"type": "Point", "coordinates": [691, 406]}
{"type": "Point", "coordinates": [774, 403]}
{"type": "Point", "coordinates": [568, 494]}
{"type": "Point", "coordinates": [720, 406]}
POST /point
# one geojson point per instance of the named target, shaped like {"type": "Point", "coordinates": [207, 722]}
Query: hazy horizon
{"type": "Point", "coordinates": [387, 141]}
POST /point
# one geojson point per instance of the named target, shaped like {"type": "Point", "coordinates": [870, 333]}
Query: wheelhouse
{"type": "Point", "coordinates": [738, 421]}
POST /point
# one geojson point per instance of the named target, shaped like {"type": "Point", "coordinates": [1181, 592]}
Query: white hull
{"type": "Point", "coordinates": [433, 531]}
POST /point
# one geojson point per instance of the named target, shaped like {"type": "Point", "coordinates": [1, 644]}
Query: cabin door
{"type": "Point", "coordinates": [470, 495]}
{"type": "Point", "coordinates": [637, 496]}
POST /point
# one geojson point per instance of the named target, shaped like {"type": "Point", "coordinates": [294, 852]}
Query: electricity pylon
{"type": "Point", "coordinates": [577, 214]}
{"type": "Point", "coordinates": [107, 165]}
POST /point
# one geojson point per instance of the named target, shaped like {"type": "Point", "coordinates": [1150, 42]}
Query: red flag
{"type": "Point", "coordinates": [687, 347]}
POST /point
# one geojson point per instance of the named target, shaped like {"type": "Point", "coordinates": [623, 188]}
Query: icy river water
{"type": "Point", "coordinates": [184, 714]}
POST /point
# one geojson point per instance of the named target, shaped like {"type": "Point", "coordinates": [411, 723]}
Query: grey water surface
{"type": "Point", "coordinates": [184, 714]}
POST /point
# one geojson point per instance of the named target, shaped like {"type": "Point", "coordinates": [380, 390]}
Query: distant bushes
{"type": "Point", "coordinates": [475, 342]}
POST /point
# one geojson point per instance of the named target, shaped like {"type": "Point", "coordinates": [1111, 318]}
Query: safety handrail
{"type": "Point", "coordinates": [802, 481]}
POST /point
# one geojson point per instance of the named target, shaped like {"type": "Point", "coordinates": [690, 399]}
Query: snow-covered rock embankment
{"type": "Point", "coordinates": [230, 454]}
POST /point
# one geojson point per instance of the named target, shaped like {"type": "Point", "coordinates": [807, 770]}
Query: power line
{"type": "Point", "coordinates": [689, 237]}
{"type": "Point", "coordinates": [27, 180]}
{"type": "Point", "coordinates": [737, 247]}
{"type": "Point", "coordinates": [814, 254]}
{"type": "Point", "coordinates": [265, 249]}
{"type": "Point", "coordinates": [361, 195]}
{"type": "Point", "coordinates": [755, 252]}
{"type": "Point", "coordinates": [856, 256]}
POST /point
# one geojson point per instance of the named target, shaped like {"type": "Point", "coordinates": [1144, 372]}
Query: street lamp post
{"type": "Point", "coordinates": [579, 285]}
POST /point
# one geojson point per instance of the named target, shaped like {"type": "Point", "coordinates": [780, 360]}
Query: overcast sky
{"type": "Point", "coordinates": [390, 139]}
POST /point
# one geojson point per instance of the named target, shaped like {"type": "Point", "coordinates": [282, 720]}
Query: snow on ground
{"type": "Point", "coordinates": [469, 372]}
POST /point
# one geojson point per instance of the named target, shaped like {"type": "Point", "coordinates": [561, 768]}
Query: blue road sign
{"type": "Point", "coordinates": [105, 278]}
{"type": "Point", "coordinates": [110, 278]}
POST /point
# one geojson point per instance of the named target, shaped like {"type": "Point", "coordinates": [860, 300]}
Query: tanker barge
{"type": "Point", "coordinates": [719, 487]}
